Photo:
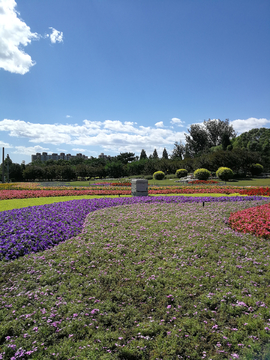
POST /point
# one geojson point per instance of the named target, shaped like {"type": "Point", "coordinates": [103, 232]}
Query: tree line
{"type": "Point", "coordinates": [210, 145]}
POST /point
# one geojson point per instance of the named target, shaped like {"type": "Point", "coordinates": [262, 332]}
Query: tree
{"type": "Point", "coordinates": [155, 154]}
{"type": "Point", "coordinates": [143, 155]}
{"type": "Point", "coordinates": [165, 154]}
{"type": "Point", "coordinates": [225, 141]}
{"type": "Point", "coordinates": [114, 169]}
{"type": "Point", "coordinates": [178, 151]}
{"type": "Point", "coordinates": [202, 137]}
{"type": "Point", "coordinates": [126, 157]}
{"type": "Point", "coordinates": [197, 140]}
{"type": "Point", "coordinates": [216, 128]}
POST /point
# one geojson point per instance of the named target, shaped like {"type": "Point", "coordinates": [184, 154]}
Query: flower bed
{"type": "Point", "coordinates": [262, 191]}
{"type": "Point", "coordinates": [206, 182]}
{"type": "Point", "coordinates": [255, 220]}
{"type": "Point", "coordinates": [32, 229]}
{"type": "Point", "coordinates": [121, 184]}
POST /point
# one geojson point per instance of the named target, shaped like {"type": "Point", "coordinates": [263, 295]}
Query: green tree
{"type": "Point", "coordinates": [165, 154]}
{"type": "Point", "coordinates": [126, 157]}
{"type": "Point", "coordinates": [155, 154]}
{"type": "Point", "coordinates": [202, 137]}
{"type": "Point", "coordinates": [114, 169]}
{"type": "Point", "coordinates": [179, 151]}
{"type": "Point", "coordinates": [143, 155]}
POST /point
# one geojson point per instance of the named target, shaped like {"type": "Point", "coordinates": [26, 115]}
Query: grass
{"type": "Point", "coordinates": [148, 281]}
{"type": "Point", "coordinates": [21, 203]}
{"type": "Point", "coordinates": [167, 182]}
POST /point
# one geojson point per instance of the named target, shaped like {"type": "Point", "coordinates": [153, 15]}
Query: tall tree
{"type": "Point", "coordinates": [143, 155]}
{"type": "Point", "coordinates": [155, 154]}
{"type": "Point", "coordinates": [202, 137]}
{"type": "Point", "coordinates": [178, 151]}
{"type": "Point", "coordinates": [216, 128]}
{"type": "Point", "coordinates": [165, 154]}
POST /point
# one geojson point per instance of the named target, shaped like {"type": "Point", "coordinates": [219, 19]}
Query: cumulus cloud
{"type": "Point", "coordinates": [30, 150]}
{"type": "Point", "coordinates": [176, 121]}
{"type": "Point", "coordinates": [5, 145]}
{"type": "Point", "coordinates": [110, 135]}
{"type": "Point", "coordinates": [14, 33]}
{"type": "Point", "coordinates": [55, 36]}
{"type": "Point", "coordinates": [159, 124]}
{"type": "Point", "coordinates": [241, 126]}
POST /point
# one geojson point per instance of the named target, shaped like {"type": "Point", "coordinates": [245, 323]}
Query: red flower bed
{"type": "Point", "coordinates": [254, 220]}
{"type": "Point", "coordinates": [190, 190]}
{"type": "Point", "coordinates": [25, 194]}
{"type": "Point", "coordinates": [121, 184]}
{"type": "Point", "coordinates": [204, 182]}
{"type": "Point", "coordinates": [263, 191]}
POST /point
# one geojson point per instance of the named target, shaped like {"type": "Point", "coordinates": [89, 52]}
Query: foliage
{"type": "Point", "coordinates": [143, 155]}
{"type": "Point", "coordinates": [155, 154]}
{"type": "Point", "coordinates": [157, 284]}
{"type": "Point", "coordinates": [181, 173]}
{"type": "Point", "coordinates": [115, 169]}
{"type": "Point", "coordinates": [159, 175]}
{"type": "Point", "coordinates": [202, 137]}
{"type": "Point", "coordinates": [179, 151]}
{"type": "Point", "coordinates": [256, 169]}
{"type": "Point", "coordinates": [202, 174]}
{"type": "Point", "coordinates": [224, 173]}
{"type": "Point", "coordinates": [165, 154]}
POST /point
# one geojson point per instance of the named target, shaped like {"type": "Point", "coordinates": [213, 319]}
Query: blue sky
{"type": "Point", "coordinates": [121, 75]}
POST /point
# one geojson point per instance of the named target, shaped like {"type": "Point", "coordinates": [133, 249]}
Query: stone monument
{"type": "Point", "coordinates": [139, 187]}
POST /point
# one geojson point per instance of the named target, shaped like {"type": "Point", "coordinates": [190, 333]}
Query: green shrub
{"type": "Point", "coordinates": [181, 173]}
{"type": "Point", "coordinates": [159, 175]}
{"type": "Point", "coordinates": [224, 173]}
{"type": "Point", "coordinates": [202, 174]}
{"type": "Point", "coordinates": [256, 169]}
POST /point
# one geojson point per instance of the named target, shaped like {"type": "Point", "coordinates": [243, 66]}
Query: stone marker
{"type": "Point", "coordinates": [139, 187]}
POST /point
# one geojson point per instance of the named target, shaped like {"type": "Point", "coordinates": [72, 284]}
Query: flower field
{"type": "Point", "coordinates": [134, 278]}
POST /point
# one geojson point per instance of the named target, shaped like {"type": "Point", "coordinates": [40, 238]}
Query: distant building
{"type": "Point", "coordinates": [62, 156]}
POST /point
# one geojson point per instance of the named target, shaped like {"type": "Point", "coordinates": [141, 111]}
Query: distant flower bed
{"type": "Point", "coordinates": [32, 229]}
{"type": "Point", "coordinates": [101, 184]}
{"type": "Point", "coordinates": [121, 184]}
{"type": "Point", "coordinates": [262, 191]}
{"type": "Point", "coordinates": [255, 220]}
{"type": "Point", "coordinates": [204, 182]}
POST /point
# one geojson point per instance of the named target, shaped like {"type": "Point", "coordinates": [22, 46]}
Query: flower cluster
{"type": "Point", "coordinates": [255, 220]}
{"type": "Point", "coordinates": [204, 182]}
{"type": "Point", "coordinates": [262, 191]}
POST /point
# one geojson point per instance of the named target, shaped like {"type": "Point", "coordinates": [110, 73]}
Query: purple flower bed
{"type": "Point", "coordinates": [32, 229]}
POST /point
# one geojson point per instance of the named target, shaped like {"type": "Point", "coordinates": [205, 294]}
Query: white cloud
{"type": "Point", "coordinates": [176, 121]}
{"type": "Point", "coordinates": [241, 126]}
{"type": "Point", "coordinates": [68, 116]}
{"type": "Point", "coordinates": [79, 150]}
{"type": "Point", "coordinates": [159, 124]}
{"type": "Point", "coordinates": [30, 150]}
{"type": "Point", "coordinates": [55, 36]}
{"type": "Point", "coordinates": [5, 145]}
{"type": "Point", "coordinates": [110, 135]}
{"type": "Point", "coordinates": [14, 33]}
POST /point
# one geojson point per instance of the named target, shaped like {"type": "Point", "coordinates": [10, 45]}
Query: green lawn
{"type": "Point", "coordinates": [167, 182]}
